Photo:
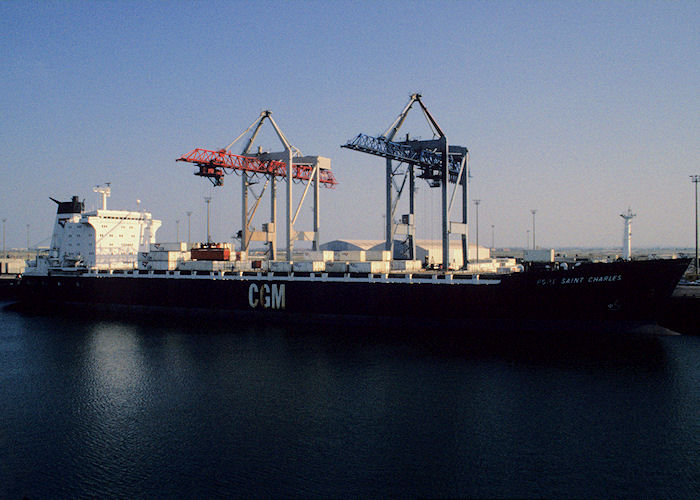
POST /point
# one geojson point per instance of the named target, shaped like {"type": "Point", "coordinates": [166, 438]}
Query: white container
{"type": "Point", "coordinates": [14, 267]}
{"type": "Point", "coordinates": [243, 265]}
{"type": "Point", "coordinates": [336, 267]}
{"type": "Point", "coordinates": [238, 256]}
{"type": "Point", "coordinates": [505, 262]}
{"type": "Point", "coordinates": [539, 255]}
{"type": "Point", "coordinates": [377, 255]}
{"type": "Point", "coordinates": [309, 266]}
{"type": "Point", "coordinates": [375, 266]}
{"type": "Point", "coordinates": [351, 255]}
{"type": "Point", "coordinates": [178, 246]}
{"type": "Point", "coordinates": [156, 265]}
{"type": "Point", "coordinates": [168, 256]}
{"type": "Point", "coordinates": [320, 255]}
{"type": "Point", "coordinates": [280, 266]}
{"type": "Point", "coordinates": [204, 265]}
{"type": "Point", "coordinates": [406, 265]}
{"type": "Point", "coordinates": [160, 265]}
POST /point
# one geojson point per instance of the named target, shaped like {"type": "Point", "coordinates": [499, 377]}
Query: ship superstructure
{"type": "Point", "coordinates": [95, 240]}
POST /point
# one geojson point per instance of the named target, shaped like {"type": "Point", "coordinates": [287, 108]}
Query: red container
{"type": "Point", "coordinates": [210, 253]}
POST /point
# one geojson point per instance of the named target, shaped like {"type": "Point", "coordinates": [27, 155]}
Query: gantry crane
{"type": "Point", "coordinates": [305, 169]}
{"type": "Point", "coordinates": [437, 162]}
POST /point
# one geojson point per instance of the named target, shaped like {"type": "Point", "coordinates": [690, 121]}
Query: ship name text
{"type": "Point", "coordinates": [266, 296]}
{"type": "Point", "coordinates": [578, 280]}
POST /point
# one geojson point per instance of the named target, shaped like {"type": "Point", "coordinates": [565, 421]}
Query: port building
{"type": "Point", "coordinates": [427, 251]}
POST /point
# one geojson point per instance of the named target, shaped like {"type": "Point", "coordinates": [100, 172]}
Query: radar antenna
{"type": "Point", "coordinates": [105, 190]}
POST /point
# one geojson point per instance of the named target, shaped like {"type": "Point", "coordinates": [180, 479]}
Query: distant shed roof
{"type": "Point", "coordinates": [347, 245]}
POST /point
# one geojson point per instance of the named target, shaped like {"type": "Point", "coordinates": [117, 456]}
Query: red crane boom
{"type": "Point", "coordinates": [214, 165]}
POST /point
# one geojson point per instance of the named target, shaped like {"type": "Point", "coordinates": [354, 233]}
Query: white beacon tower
{"type": "Point", "coordinates": [627, 236]}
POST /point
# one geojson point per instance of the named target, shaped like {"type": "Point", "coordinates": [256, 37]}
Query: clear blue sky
{"type": "Point", "coordinates": [578, 109]}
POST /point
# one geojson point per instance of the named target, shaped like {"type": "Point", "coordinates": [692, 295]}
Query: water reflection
{"type": "Point", "coordinates": [114, 361]}
{"type": "Point", "coordinates": [135, 408]}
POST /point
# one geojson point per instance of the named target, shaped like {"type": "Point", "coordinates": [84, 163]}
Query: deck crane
{"type": "Point", "coordinates": [436, 161]}
{"type": "Point", "coordinates": [214, 164]}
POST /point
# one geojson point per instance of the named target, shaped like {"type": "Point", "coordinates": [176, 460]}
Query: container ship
{"type": "Point", "coordinates": [111, 259]}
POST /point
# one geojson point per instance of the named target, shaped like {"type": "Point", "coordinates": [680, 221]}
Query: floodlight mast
{"type": "Point", "coordinates": [695, 179]}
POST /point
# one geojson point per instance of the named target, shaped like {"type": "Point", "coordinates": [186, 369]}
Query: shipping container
{"type": "Point", "coordinates": [309, 266]}
{"type": "Point", "coordinates": [377, 255]}
{"type": "Point", "coordinates": [160, 265]}
{"type": "Point", "coordinates": [336, 267]}
{"type": "Point", "coordinates": [351, 255]}
{"type": "Point", "coordinates": [242, 265]}
{"type": "Point", "coordinates": [163, 256]}
{"type": "Point", "coordinates": [406, 265]}
{"type": "Point", "coordinates": [312, 255]}
{"type": "Point", "coordinates": [376, 266]}
{"type": "Point", "coordinates": [204, 265]}
{"type": "Point", "coordinates": [211, 253]}
{"type": "Point", "coordinates": [178, 246]}
{"type": "Point", "coordinates": [280, 266]}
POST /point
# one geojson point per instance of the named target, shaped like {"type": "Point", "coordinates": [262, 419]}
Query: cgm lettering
{"type": "Point", "coordinates": [267, 296]}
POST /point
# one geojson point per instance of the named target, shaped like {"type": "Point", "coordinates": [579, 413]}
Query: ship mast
{"type": "Point", "coordinates": [105, 190]}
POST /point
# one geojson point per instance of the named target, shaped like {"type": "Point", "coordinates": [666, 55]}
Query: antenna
{"type": "Point", "coordinates": [105, 190]}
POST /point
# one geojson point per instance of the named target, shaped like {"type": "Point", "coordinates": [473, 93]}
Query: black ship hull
{"type": "Point", "coordinates": [617, 296]}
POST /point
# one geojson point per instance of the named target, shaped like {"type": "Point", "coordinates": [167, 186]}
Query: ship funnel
{"type": "Point", "coordinates": [74, 206]}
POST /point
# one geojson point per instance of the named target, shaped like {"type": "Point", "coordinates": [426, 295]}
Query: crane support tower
{"type": "Point", "coordinates": [627, 235]}
{"type": "Point", "coordinates": [270, 166]}
{"type": "Point", "coordinates": [433, 160]}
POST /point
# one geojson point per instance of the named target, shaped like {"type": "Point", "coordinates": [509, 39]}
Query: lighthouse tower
{"type": "Point", "coordinates": [627, 236]}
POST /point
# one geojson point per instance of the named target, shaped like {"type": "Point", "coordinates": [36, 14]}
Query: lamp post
{"type": "Point", "coordinates": [527, 239]}
{"type": "Point", "coordinates": [27, 236]}
{"type": "Point", "coordinates": [493, 239]}
{"type": "Point", "coordinates": [3, 235]}
{"type": "Point", "coordinates": [177, 230]}
{"type": "Point", "coordinates": [476, 203]}
{"type": "Point", "coordinates": [695, 179]}
{"type": "Point", "coordinates": [533, 212]}
{"type": "Point", "coordinates": [207, 199]}
{"type": "Point", "coordinates": [189, 214]}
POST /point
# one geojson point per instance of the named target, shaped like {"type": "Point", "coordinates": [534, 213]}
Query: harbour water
{"type": "Point", "coordinates": [124, 408]}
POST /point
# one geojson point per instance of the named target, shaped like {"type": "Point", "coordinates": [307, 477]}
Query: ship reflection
{"type": "Point", "coordinates": [116, 350]}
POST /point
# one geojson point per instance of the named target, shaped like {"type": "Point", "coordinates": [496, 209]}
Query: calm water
{"type": "Point", "coordinates": [123, 409]}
